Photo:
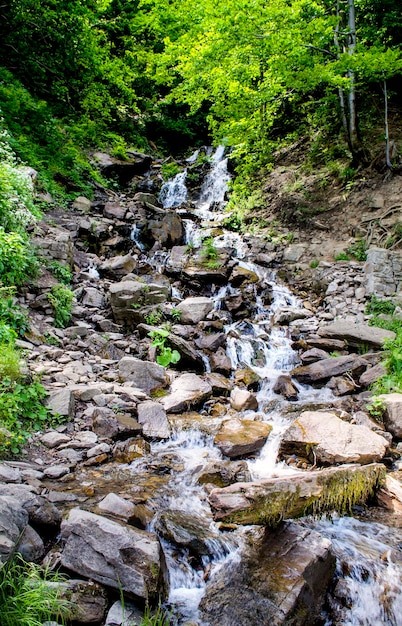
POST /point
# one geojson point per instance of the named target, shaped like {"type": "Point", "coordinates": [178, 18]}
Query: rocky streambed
{"type": "Point", "coordinates": [180, 483]}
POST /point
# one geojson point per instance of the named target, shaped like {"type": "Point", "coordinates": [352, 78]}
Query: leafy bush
{"type": "Point", "coordinates": [26, 596]}
{"type": "Point", "coordinates": [209, 253]}
{"type": "Point", "coordinates": [358, 250]}
{"type": "Point", "coordinates": [169, 170]}
{"type": "Point", "coordinates": [17, 259]}
{"type": "Point", "coordinates": [10, 362]}
{"type": "Point", "coordinates": [392, 381]}
{"type": "Point", "coordinates": [61, 298]}
{"type": "Point", "coordinates": [377, 306]}
{"type": "Point", "coordinates": [62, 272]}
{"type": "Point", "coordinates": [12, 316]}
{"type": "Point", "coordinates": [166, 355]}
{"type": "Point", "coordinates": [342, 256]}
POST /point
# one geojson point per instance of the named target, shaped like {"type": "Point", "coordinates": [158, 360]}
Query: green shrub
{"type": "Point", "coordinates": [342, 256]}
{"type": "Point", "coordinates": [392, 381]}
{"type": "Point", "coordinates": [377, 306]}
{"type": "Point", "coordinates": [154, 317]}
{"type": "Point", "coordinates": [358, 250]}
{"type": "Point", "coordinates": [169, 170]}
{"type": "Point", "coordinates": [10, 362]}
{"type": "Point", "coordinates": [12, 316]}
{"type": "Point", "coordinates": [62, 272]}
{"type": "Point", "coordinates": [315, 263]}
{"type": "Point", "coordinates": [17, 259]}
{"type": "Point", "coordinates": [166, 356]}
{"type": "Point", "coordinates": [61, 298]}
{"type": "Point", "coordinates": [27, 597]}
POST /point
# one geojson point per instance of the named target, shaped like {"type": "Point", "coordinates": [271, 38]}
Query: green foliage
{"type": "Point", "coordinates": [392, 381]}
{"type": "Point", "coordinates": [155, 618]}
{"type": "Point", "coordinates": [10, 362]}
{"type": "Point", "coordinates": [376, 408]}
{"type": "Point", "coordinates": [166, 356]}
{"type": "Point", "coordinates": [17, 210]}
{"type": "Point", "coordinates": [12, 315]}
{"type": "Point", "coordinates": [358, 250]}
{"type": "Point", "coordinates": [342, 256]}
{"type": "Point", "coordinates": [62, 272]}
{"type": "Point", "coordinates": [176, 314]}
{"type": "Point", "coordinates": [17, 259]}
{"type": "Point", "coordinates": [21, 412]}
{"type": "Point", "coordinates": [61, 298]}
{"type": "Point", "coordinates": [154, 317]}
{"type": "Point", "coordinates": [209, 254]}
{"type": "Point", "coordinates": [376, 306]}
{"type": "Point", "coordinates": [169, 170]}
{"type": "Point", "coordinates": [314, 263]}
{"type": "Point", "coordinates": [27, 595]}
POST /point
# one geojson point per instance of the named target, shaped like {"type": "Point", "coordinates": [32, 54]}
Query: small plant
{"type": "Point", "coordinates": [315, 263]}
{"type": "Point", "coordinates": [176, 314]}
{"type": "Point", "coordinates": [154, 317]}
{"type": "Point", "coordinates": [10, 362]}
{"type": "Point", "coordinates": [62, 272]}
{"type": "Point", "coordinates": [28, 595]}
{"type": "Point", "coordinates": [358, 250]}
{"type": "Point", "coordinates": [169, 170]}
{"type": "Point", "coordinates": [11, 314]}
{"type": "Point", "coordinates": [376, 409]}
{"type": "Point", "coordinates": [209, 254]}
{"type": "Point", "coordinates": [61, 298]}
{"type": "Point", "coordinates": [342, 256]}
{"type": "Point", "coordinates": [190, 247]}
{"type": "Point", "coordinates": [157, 618]}
{"type": "Point", "coordinates": [392, 381]}
{"type": "Point", "coordinates": [17, 259]}
{"type": "Point", "coordinates": [166, 356]}
{"type": "Point", "coordinates": [377, 306]}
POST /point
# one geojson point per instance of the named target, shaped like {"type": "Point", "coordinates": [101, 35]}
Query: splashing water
{"type": "Point", "coordinates": [174, 191]}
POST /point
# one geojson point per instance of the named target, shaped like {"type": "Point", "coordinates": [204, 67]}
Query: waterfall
{"type": "Point", "coordinates": [174, 192]}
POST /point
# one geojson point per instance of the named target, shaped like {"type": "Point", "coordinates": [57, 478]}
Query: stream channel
{"type": "Point", "coordinates": [368, 578]}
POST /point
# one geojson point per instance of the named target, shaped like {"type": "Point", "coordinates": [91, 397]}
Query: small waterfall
{"type": "Point", "coordinates": [174, 191]}
{"type": "Point", "coordinates": [135, 237]}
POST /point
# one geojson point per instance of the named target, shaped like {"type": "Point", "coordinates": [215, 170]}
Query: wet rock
{"type": "Point", "coordinates": [243, 400]}
{"type": "Point", "coordinates": [238, 438]}
{"type": "Point", "coordinates": [152, 417]}
{"type": "Point", "coordinates": [241, 274]}
{"type": "Point", "coordinates": [193, 310]}
{"type": "Point", "coordinates": [326, 368]}
{"type": "Point", "coordinates": [329, 345]}
{"type": "Point", "coordinates": [285, 315]}
{"type": "Point", "coordinates": [211, 342]}
{"type": "Point", "coordinates": [131, 449]}
{"type": "Point", "coordinates": [114, 505]}
{"type": "Point", "coordinates": [117, 266]}
{"type": "Point", "coordinates": [247, 377]}
{"type": "Point", "coordinates": [187, 530]}
{"type": "Point", "coordinates": [190, 358]}
{"type": "Point", "coordinates": [326, 439]}
{"type": "Point", "coordinates": [145, 375]}
{"type": "Point", "coordinates": [313, 355]}
{"type": "Point", "coordinates": [271, 500]}
{"type": "Point", "coordinates": [88, 600]}
{"type": "Point", "coordinates": [285, 387]}
{"type": "Point", "coordinates": [14, 519]}
{"type": "Point", "coordinates": [393, 413]}
{"type": "Point", "coordinates": [164, 227]}
{"type": "Point", "coordinates": [341, 385]}
{"type": "Point", "coordinates": [281, 581]}
{"type": "Point", "coordinates": [220, 362]}
{"type": "Point", "coordinates": [117, 556]}
{"type": "Point", "coordinates": [357, 334]}
{"type": "Point", "coordinates": [56, 471]}
{"type": "Point", "coordinates": [30, 545]}
{"type": "Point", "coordinates": [187, 391]}
{"type": "Point", "coordinates": [390, 494]}
{"type": "Point", "coordinates": [224, 473]}
{"type": "Point", "coordinates": [221, 386]}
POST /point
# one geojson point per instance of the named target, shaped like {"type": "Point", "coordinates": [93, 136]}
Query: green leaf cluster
{"type": "Point", "coordinates": [165, 355]}
{"type": "Point", "coordinates": [61, 298]}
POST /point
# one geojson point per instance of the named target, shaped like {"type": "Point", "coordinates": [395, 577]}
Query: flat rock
{"type": "Point", "coordinates": [114, 505]}
{"type": "Point", "coordinates": [238, 438]}
{"type": "Point", "coordinates": [121, 557]}
{"type": "Point", "coordinates": [357, 334]}
{"type": "Point", "coordinates": [327, 368]}
{"type": "Point", "coordinates": [270, 501]}
{"type": "Point", "coordinates": [61, 401]}
{"type": "Point", "coordinates": [145, 375]}
{"type": "Point", "coordinates": [193, 310]}
{"type": "Point", "coordinates": [326, 439]}
{"type": "Point", "coordinates": [187, 391]}
{"type": "Point", "coordinates": [152, 417]}
{"type": "Point", "coordinates": [14, 519]}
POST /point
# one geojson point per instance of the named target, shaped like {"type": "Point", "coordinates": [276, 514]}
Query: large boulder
{"type": "Point", "coordinates": [117, 266]}
{"type": "Point", "coordinates": [356, 334]}
{"type": "Point", "coordinates": [193, 310]}
{"type": "Point", "coordinates": [238, 438]}
{"type": "Point", "coordinates": [121, 557]}
{"type": "Point", "coordinates": [271, 500]}
{"type": "Point", "coordinates": [327, 368]}
{"type": "Point", "coordinates": [393, 413]}
{"type": "Point", "coordinates": [128, 297]}
{"type": "Point", "coordinates": [383, 272]}
{"type": "Point", "coordinates": [144, 374]}
{"type": "Point", "coordinates": [14, 520]}
{"type": "Point", "coordinates": [188, 530]}
{"type": "Point", "coordinates": [282, 581]}
{"type": "Point", "coordinates": [326, 439]}
{"type": "Point", "coordinates": [152, 417]}
{"type": "Point", "coordinates": [187, 391]}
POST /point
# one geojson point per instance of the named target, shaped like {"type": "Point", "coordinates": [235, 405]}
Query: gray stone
{"type": "Point", "coordinates": [372, 375]}
{"type": "Point", "coordinates": [116, 506]}
{"type": "Point", "coordinates": [326, 368]}
{"type": "Point", "coordinates": [152, 417]}
{"type": "Point", "coordinates": [13, 521]}
{"type": "Point", "coordinates": [30, 545]}
{"type": "Point", "coordinates": [61, 401]}
{"type": "Point", "coordinates": [243, 400]}
{"type": "Point", "coordinates": [9, 474]}
{"type": "Point", "coordinates": [356, 334]}
{"type": "Point", "coordinates": [56, 471]}
{"type": "Point", "coordinates": [326, 439]}
{"type": "Point", "coordinates": [187, 391]}
{"type": "Point", "coordinates": [193, 310]}
{"type": "Point", "coordinates": [393, 413]}
{"type": "Point", "coordinates": [238, 438]}
{"type": "Point", "coordinates": [93, 298]}
{"type": "Point", "coordinates": [117, 556]}
{"type": "Point", "coordinates": [127, 615]}
{"type": "Point", "coordinates": [145, 375]}
{"type": "Point", "coordinates": [383, 272]}
{"type": "Point", "coordinates": [53, 439]}
{"type": "Point", "coordinates": [117, 266]}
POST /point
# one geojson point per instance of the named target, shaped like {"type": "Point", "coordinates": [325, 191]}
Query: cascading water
{"type": "Point", "coordinates": [371, 586]}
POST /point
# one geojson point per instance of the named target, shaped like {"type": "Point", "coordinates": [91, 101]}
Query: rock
{"type": "Point", "coordinates": [220, 384]}
{"type": "Point", "coordinates": [190, 358]}
{"type": "Point", "coordinates": [247, 377]}
{"type": "Point", "coordinates": [282, 581]}
{"type": "Point", "coordinates": [123, 171]}
{"type": "Point", "coordinates": [357, 334]}
{"type": "Point", "coordinates": [53, 439]}
{"type": "Point", "coordinates": [129, 296]}
{"type": "Point", "coordinates": [271, 500]}
{"type": "Point", "coordinates": [88, 600]}
{"type": "Point", "coordinates": [117, 556]}
{"type": "Point", "coordinates": [211, 342]}
{"type": "Point", "coordinates": [326, 439]}
{"type": "Point", "coordinates": [220, 362]}
{"type": "Point", "coordinates": [100, 448]}
{"type": "Point", "coordinates": [383, 272]}
{"type": "Point", "coordinates": [9, 474]}
{"type": "Point", "coordinates": [341, 385]}
{"type": "Point", "coordinates": [127, 615]}
{"type": "Point", "coordinates": [313, 355]}
{"type": "Point", "coordinates": [93, 298]}
{"type": "Point", "coordinates": [30, 545]}
{"type": "Point", "coordinates": [326, 368]}
{"type": "Point", "coordinates": [393, 413]}
{"type": "Point", "coordinates": [14, 519]}
{"type": "Point", "coordinates": [81, 204]}
{"type": "Point", "coordinates": [188, 530]}
{"type": "Point", "coordinates": [241, 437]}
{"type": "Point", "coordinates": [61, 402]}
{"type": "Point", "coordinates": [114, 211]}
{"type": "Point", "coordinates": [390, 494]}
{"type": "Point", "coordinates": [152, 417]}
{"type": "Point", "coordinates": [193, 310]}
{"type": "Point", "coordinates": [116, 506]}
{"type": "Point", "coordinates": [285, 387]}
{"type": "Point", "coordinates": [145, 375]}
{"type": "Point", "coordinates": [56, 471]}
{"type": "Point", "coordinates": [241, 274]}
{"type": "Point", "coordinates": [187, 391]}
{"type": "Point", "coordinates": [131, 449]}
{"type": "Point", "coordinates": [243, 400]}
{"type": "Point", "coordinates": [166, 228]}
{"type": "Point", "coordinates": [285, 315]}
{"type": "Point", "coordinates": [224, 473]}
{"type": "Point", "coordinates": [117, 266]}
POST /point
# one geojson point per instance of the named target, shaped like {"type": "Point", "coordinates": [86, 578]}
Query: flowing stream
{"type": "Point", "coordinates": [369, 572]}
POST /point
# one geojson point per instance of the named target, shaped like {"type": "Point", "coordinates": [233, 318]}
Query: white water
{"type": "Point", "coordinates": [372, 585]}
